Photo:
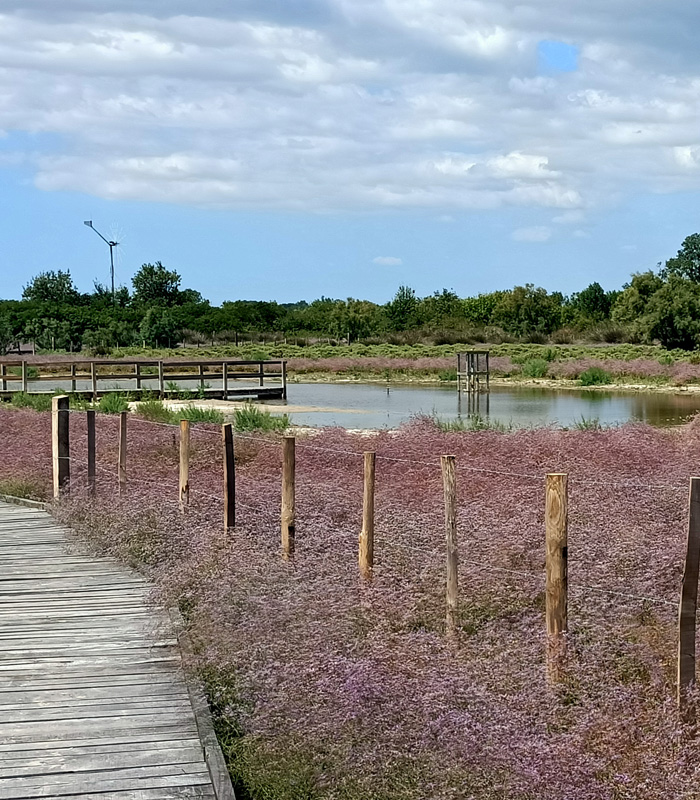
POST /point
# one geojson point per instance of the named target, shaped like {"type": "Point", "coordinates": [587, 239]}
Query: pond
{"type": "Point", "coordinates": [362, 405]}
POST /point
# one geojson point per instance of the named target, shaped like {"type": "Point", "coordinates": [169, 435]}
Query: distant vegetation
{"type": "Point", "coordinates": [655, 306]}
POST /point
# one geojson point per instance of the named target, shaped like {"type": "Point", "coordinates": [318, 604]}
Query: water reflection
{"type": "Point", "coordinates": [381, 406]}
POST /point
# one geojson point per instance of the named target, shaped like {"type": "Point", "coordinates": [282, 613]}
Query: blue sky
{"type": "Point", "coordinates": [344, 147]}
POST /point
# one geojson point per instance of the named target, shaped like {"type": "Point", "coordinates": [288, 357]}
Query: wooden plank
{"type": "Point", "coordinates": [556, 599]}
{"type": "Point", "coordinates": [93, 702]}
{"type": "Point", "coordinates": [687, 610]}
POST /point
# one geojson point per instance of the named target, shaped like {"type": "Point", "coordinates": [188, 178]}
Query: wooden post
{"type": "Point", "coordinates": [449, 482]}
{"type": "Point", "coordinates": [25, 380]}
{"type": "Point", "coordinates": [3, 372]}
{"type": "Point", "coordinates": [138, 375]}
{"type": "Point", "coordinates": [91, 452]}
{"type": "Point", "coordinates": [161, 380]}
{"type": "Point", "coordinates": [229, 478]}
{"type": "Point", "coordinates": [366, 554]}
{"type": "Point", "coordinates": [556, 530]}
{"type": "Point", "coordinates": [459, 372]}
{"type": "Point", "coordinates": [488, 371]}
{"type": "Point", "coordinates": [687, 610]}
{"type": "Point", "coordinates": [184, 464]}
{"type": "Point", "coordinates": [93, 377]}
{"type": "Point", "coordinates": [262, 374]}
{"type": "Point", "coordinates": [284, 379]}
{"type": "Point", "coordinates": [201, 377]}
{"type": "Point", "coordinates": [288, 496]}
{"type": "Point", "coordinates": [72, 376]}
{"type": "Point", "coordinates": [224, 380]}
{"type": "Point", "coordinates": [60, 443]}
{"type": "Point", "coordinates": [122, 452]}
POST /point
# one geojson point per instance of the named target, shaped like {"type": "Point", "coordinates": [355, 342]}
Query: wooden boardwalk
{"type": "Point", "coordinates": [93, 701]}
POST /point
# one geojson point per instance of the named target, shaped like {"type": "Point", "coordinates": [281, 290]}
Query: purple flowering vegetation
{"type": "Point", "coordinates": [328, 687]}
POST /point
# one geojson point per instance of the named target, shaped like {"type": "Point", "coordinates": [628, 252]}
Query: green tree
{"type": "Point", "coordinates": [155, 285]}
{"type": "Point", "coordinates": [687, 260]}
{"type": "Point", "coordinates": [7, 334]}
{"type": "Point", "coordinates": [51, 287]}
{"type": "Point", "coordinates": [672, 314]}
{"type": "Point", "coordinates": [526, 310]}
{"type": "Point", "coordinates": [593, 303]}
{"type": "Point", "coordinates": [632, 302]}
{"type": "Point", "coordinates": [402, 311]}
{"type": "Point", "coordinates": [158, 328]}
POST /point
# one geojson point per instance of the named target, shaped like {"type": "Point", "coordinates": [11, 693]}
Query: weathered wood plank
{"type": "Point", "coordinates": [93, 702]}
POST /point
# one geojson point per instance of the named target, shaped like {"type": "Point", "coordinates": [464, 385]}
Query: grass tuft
{"type": "Point", "coordinates": [253, 418]}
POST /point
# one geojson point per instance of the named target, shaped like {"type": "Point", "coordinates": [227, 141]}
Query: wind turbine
{"type": "Point", "coordinates": [112, 245]}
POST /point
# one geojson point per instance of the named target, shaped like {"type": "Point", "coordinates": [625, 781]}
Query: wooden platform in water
{"type": "Point", "coordinates": [93, 700]}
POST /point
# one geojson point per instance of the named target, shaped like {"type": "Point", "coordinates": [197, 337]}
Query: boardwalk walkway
{"type": "Point", "coordinates": [93, 702]}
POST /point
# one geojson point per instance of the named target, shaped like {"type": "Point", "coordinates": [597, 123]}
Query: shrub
{"type": "Point", "coordinates": [608, 332]}
{"type": "Point", "coordinates": [113, 403]}
{"type": "Point", "coordinates": [155, 411]}
{"type": "Point", "coordinates": [595, 376]}
{"type": "Point", "coordinates": [252, 418]}
{"type": "Point", "coordinates": [447, 375]}
{"type": "Point", "coordinates": [39, 402]}
{"type": "Point", "coordinates": [563, 336]}
{"type": "Point", "coordinates": [535, 368]}
{"type": "Point", "coordinates": [195, 414]}
{"type": "Point", "coordinates": [588, 424]}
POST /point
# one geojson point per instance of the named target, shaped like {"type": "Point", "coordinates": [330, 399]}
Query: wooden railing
{"type": "Point", "coordinates": [88, 376]}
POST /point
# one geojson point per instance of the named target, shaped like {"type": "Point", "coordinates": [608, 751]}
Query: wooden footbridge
{"type": "Point", "coordinates": [221, 379]}
{"type": "Point", "coordinates": [93, 699]}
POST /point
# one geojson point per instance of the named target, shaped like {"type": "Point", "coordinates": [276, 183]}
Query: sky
{"type": "Point", "coordinates": [289, 149]}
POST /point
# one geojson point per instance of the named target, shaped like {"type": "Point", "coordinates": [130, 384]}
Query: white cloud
{"type": "Point", "coordinates": [388, 261]}
{"type": "Point", "coordinates": [537, 233]}
{"type": "Point", "coordinates": [335, 104]}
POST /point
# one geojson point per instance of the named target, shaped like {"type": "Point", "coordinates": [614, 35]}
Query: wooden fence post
{"type": "Point", "coordinates": [261, 374]}
{"type": "Point", "coordinates": [224, 380]}
{"type": "Point", "coordinates": [449, 482]}
{"type": "Point", "coordinates": [688, 606]}
{"type": "Point", "coordinates": [25, 379]}
{"type": "Point", "coordinates": [184, 464]}
{"type": "Point", "coordinates": [161, 380]}
{"type": "Point", "coordinates": [123, 417]}
{"type": "Point", "coordinates": [284, 379]}
{"type": "Point", "coordinates": [229, 478]}
{"type": "Point", "coordinates": [60, 443]}
{"type": "Point", "coordinates": [3, 373]}
{"type": "Point", "coordinates": [288, 495]}
{"type": "Point", "coordinates": [556, 602]}
{"type": "Point", "coordinates": [366, 554]}
{"type": "Point", "coordinates": [72, 375]}
{"type": "Point", "coordinates": [91, 452]}
{"type": "Point", "coordinates": [93, 378]}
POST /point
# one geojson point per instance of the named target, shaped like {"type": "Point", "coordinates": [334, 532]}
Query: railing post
{"type": "Point", "coordinates": [284, 379]}
{"type": "Point", "coordinates": [556, 602]}
{"type": "Point", "coordinates": [229, 478]}
{"type": "Point", "coordinates": [3, 372]}
{"type": "Point", "coordinates": [91, 452]}
{"type": "Point", "coordinates": [60, 444]}
{"type": "Point", "coordinates": [123, 417]}
{"type": "Point", "coordinates": [184, 464]}
{"type": "Point", "coordinates": [366, 554]}
{"type": "Point", "coordinates": [449, 480]}
{"type": "Point", "coordinates": [224, 380]}
{"type": "Point", "coordinates": [72, 375]}
{"type": "Point", "coordinates": [201, 377]}
{"type": "Point", "coordinates": [138, 376]}
{"type": "Point", "coordinates": [93, 378]}
{"type": "Point", "coordinates": [262, 374]}
{"type": "Point", "coordinates": [288, 496]}
{"type": "Point", "coordinates": [25, 380]}
{"type": "Point", "coordinates": [687, 611]}
{"type": "Point", "coordinates": [161, 380]}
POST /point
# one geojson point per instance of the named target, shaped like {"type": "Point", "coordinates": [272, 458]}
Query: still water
{"type": "Point", "coordinates": [381, 406]}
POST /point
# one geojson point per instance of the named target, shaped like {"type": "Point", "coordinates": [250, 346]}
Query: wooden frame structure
{"type": "Point", "coordinates": [472, 366]}
{"type": "Point", "coordinates": [210, 379]}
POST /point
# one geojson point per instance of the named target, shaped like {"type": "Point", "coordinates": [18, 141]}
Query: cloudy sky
{"type": "Point", "coordinates": [284, 149]}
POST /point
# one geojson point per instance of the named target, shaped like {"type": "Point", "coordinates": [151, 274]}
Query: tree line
{"type": "Point", "coordinates": [657, 305]}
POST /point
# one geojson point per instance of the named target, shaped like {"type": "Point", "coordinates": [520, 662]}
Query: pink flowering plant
{"type": "Point", "coordinates": [328, 687]}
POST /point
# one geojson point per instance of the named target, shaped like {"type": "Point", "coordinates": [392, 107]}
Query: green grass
{"type": "Point", "coordinates": [39, 402]}
{"type": "Point", "coordinates": [535, 368]}
{"type": "Point", "coordinates": [26, 488]}
{"type": "Point", "coordinates": [474, 422]}
{"type": "Point", "coordinates": [155, 411]}
{"type": "Point", "coordinates": [588, 424]}
{"type": "Point", "coordinates": [447, 375]}
{"type": "Point", "coordinates": [595, 376]}
{"type": "Point", "coordinates": [113, 403]}
{"type": "Point", "coordinates": [253, 418]}
{"type": "Point", "coordinates": [194, 414]}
